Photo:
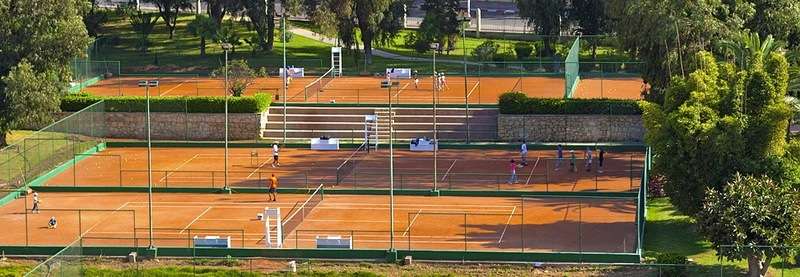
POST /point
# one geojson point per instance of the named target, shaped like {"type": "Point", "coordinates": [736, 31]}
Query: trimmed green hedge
{"type": "Point", "coordinates": [190, 104]}
{"type": "Point", "coordinates": [519, 103]}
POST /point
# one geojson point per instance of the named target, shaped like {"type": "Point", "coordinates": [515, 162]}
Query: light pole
{"type": "Point", "coordinates": [464, 19]}
{"type": "Point", "coordinates": [389, 84]}
{"type": "Point", "coordinates": [147, 84]}
{"type": "Point", "coordinates": [226, 47]}
{"type": "Point", "coordinates": [435, 47]}
{"type": "Point", "coordinates": [285, 71]}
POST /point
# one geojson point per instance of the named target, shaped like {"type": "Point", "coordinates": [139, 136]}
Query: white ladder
{"type": "Point", "coordinates": [336, 61]}
{"type": "Point", "coordinates": [371, 131]}
{"type": "Point", "coordinates": [382, 124]}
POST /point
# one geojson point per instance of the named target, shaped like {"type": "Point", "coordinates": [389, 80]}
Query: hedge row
{"type": "Point", "coordinates": [519, 103]}
{"type": "Point", "coordinates": [189, 104]}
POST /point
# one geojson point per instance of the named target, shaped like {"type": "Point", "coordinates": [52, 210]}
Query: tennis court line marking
{"type": "Point", "coordinates": [431, 210]}
{"type": "Point", "coordinates": [448, 170]}
{"type": "Point", "coordinates": [328, 205]}
{"type": "Point", "coordinates": [178, 168]}
{"type": "Point", "coordinates": [411, 223]}
{"type": "Point", "coordinates": [532, 169]}
{"type": "Point", "coordinates": [195, 219]}
{"type": "Point", "coordinates": [173, 88]}
{"type": "Point", "coordinates": [104, 219]}
{"type": "Point", "coordinates": [506, 227]}
{"type": "Point", "coordinates": [259, 167]}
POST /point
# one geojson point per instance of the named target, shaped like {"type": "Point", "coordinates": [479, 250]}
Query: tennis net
{"type": "Point", "coordinates": [348, 166]}
{"type": "Point", "coordinates": [318, 85]}
{"type": "Point", "coordinates": [298, 214]}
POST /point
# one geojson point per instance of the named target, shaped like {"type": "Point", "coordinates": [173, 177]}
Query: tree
{"type": "Point", "coordinates": [143, 23]}
{"type": "Point", "coordinates": [37, 46]}
{"type": "Point", "coordinates": [746, 46]}
{"type": "Point", "coordinates": [718, 121]}
{"type": "Point", "coordinates": [369, 15]}
{"type": "Point", "coordinates": [750, 212]}
{"type": "Point", "coordinates": [204, 27]}
{"type": "Point", "coordinates": [666, 34]}
{"type": "Point", "coordinates": [94, 19]}
{"type": "Point", "coordinates": [217, 9]}
{"type": "Point", "coordinates": [591, 18]}
{"type": "Point", "coordinates": [262, 18]}
{"type": "Point", "coordinates": [227, 34]}
{"type": "Point", "coordinates": [440, 23]}
{"type": "Point", "coordinates": [169, 11]}
{"type": "Point", "coordinates": [546, 17]}
{"type": "Point", "coordinates": [778, 18]}
{"type": "Point", "coordinates": [240, 76]}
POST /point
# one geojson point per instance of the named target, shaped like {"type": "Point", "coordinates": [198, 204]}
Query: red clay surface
{"type": "Point", "coordinates": [421, 223]}
{"type": "Point", "coordinates": [461, 169]}
{"type": "Point", "coordinates": [478, 90]}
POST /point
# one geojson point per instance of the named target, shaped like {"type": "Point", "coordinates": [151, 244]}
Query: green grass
{"type": "Point", "coordinates": [182, 52]}
{"type": "Point", "coordinates": [668, 231]}
{"type": "Point", "coordinates": [11, 270]}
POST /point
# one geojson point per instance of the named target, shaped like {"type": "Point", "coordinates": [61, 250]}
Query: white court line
{"type": "Point", "coordinates": [177, 168]}
{"type": "Point", "coordinates": [506, 227]}
{"type": "Point", "coordinates": [431, 210]}
{"type": "Point", "coordinates": [532, 169]}
{"type": "Point", "coordinates": [259, 167]}
{"type": "Point", "coordinates": [411, 223]}
{"type": "Point", "coordinates": [167, 91]}
{"type": "Point", "coordinates": [195, 219]}
{"type": "Point", "coordinates": [104, 219]}
{"type": "Point", "coordinates": [401, 90]}
{"type": "Point", "coordinates": [326, 204]}
{"type": "Point", "coordinates": [448, 170]}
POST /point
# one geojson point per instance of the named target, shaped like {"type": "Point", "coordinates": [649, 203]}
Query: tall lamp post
{"type": "Point", "coordinates": [464, 19]}
{"type": "Point", "coordinates": [389, 84]}
{"type": "Point", "coordinates": [285, 71]}
{"type": "Point", "coordinates": [435, 47]}
{"type": "Point", "coordinates": [226, 47]}
{"type": "Point", "coordinates": [147, 84]}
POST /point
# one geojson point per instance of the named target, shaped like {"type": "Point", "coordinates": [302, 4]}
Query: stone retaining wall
{"type": "Point", "coordinates": [571, 128]}
{"type": "Point", "coordinates": [185, 126]}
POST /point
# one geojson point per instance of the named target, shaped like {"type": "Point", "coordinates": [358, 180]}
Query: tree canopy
{"type": "Point", "coordinates": [37, 47]}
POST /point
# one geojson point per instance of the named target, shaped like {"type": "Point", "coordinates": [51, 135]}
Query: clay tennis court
{"type": "Point", "coordinates": [421, 223]}
{"type": "Point", "coordinates": [457, 169]}
{"type": "Point", "coordinates": [348, 89]}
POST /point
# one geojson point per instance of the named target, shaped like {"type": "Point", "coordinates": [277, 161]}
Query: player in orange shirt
{"type": "Point", "coordinates": [273, 188]}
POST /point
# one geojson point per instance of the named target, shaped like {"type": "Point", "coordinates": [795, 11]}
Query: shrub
{"type": "Point", "coordinates": [260, 102]}
{"type": "Point", "coordinates": [519, 103]}
{"type": "Point", "coordinates": [523, 50]}
{"type": "Point", "coordinates": [410, 40]}
{"type": "Point", "coordinates": [486, 51]}
{"type": "Point", "coordinates": [672, 259]}
{"type": "Point", "coordinates": [655, 187]}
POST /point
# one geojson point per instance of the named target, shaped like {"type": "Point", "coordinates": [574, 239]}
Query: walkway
{"type": "Point", "coordinates": [377, 52]}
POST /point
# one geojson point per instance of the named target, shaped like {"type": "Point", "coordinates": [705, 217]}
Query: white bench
{"type": "Point", "coordinates": [334, 242]}
{"type": "Point", "coordinates": [212, 242]}
{"type": "Point", "coordinates": [324, 144]}
{"type": "Point", "coordinates": [423, 145]}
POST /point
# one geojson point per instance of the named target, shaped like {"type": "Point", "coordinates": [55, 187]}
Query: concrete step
{"type": "Point", "coordinates": [346, 134]}
{"type": "Point", "coordinates": [400, 119]}
{"type": "Point", "coordinates": [365, 110]}
{"type": "Point", "coordinates": [380, 126]}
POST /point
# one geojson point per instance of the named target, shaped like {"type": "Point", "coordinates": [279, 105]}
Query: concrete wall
{"type": "Point", "coordinates": [571, 128]}
{"type": "Point", "coordinates": [185, 126]}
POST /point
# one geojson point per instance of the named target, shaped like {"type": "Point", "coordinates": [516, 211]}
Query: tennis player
{"type": "Point", "coordinates": [523, 152]}
{"type": "Point", "coordinates": [443, 81]}
{"type": "Point", "coordinates": [559, 156]}
{"type": "Point", "coordinates": [572, 161]}
{"type": "Point", "coordinates": [273, 188]}
{"type": "Point", "coordinates": [588, 156]}
{"type": "Point", "coordinates": [52, 223]}
{"type": "Point", "coordinates": [36, 202]}
{"type": "Point", "coordinates": [600, 157]}
{"type": "Point", "coordinates": [275, 151]}
{"type": "Point", "coordinates": [416, 79]}
{"type": "Point", "coordinates": [513, 167]}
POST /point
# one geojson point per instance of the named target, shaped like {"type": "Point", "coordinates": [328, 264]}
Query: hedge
{"type": "Point", "coordinates": [519, 103]}
{"type": "Point", "coordinates": [191, 104]}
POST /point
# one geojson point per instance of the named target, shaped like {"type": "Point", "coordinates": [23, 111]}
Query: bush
{"type": "Point", "coordinates": [672, 259]}
{"type": "Point", "coordinates": [655, 187]}
{"type": "Point", "coordinates": [410, 40]}
{"type": "Point", "coordinates": [523, 50]}
{"type": "Point", "coordinates": [519, 103]}
{"type": "Point", "coordinates": [260, 102]}
{"type": "Point", "coordinates": [486, 51]}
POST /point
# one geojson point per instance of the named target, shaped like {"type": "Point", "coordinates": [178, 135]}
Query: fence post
{"type": "Point", "coordinates": [522, 224]}
{"type": "Point", "coordinates": [80, 226]}
{"type": "Point", "coordinates": [465, 236]}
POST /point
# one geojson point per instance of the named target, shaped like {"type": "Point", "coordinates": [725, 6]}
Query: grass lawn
{"type": "Point", "coordinates": [668, 231]}
{"type": "Point", "coordinates": [181, 54]}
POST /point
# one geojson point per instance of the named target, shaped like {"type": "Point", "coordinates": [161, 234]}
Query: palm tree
{"type": "Point", "coordinates": [747, 46]}
{"type": "Point", "coordinates": [203, 27]}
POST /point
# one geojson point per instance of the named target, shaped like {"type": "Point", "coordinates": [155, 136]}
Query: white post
{"type": "Point", "coordinates": [199, 10]}
{"type": "Point", "coordinates": [149, 170]}
{"type": "Point", "coordinates": [405, 16]}
{"type": "Point", "coordinates": [285, 72]}
{"type": "Point", "coordinates": [138, 5]}
{"type": "Point", "coordinates": [468, 7]}
{"type": "Point", "coordinates": [226, 47]}
{"type": "Point", "coordinates": [391, 170]}
{"type": "Point", "coordinates": [478, 26]}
